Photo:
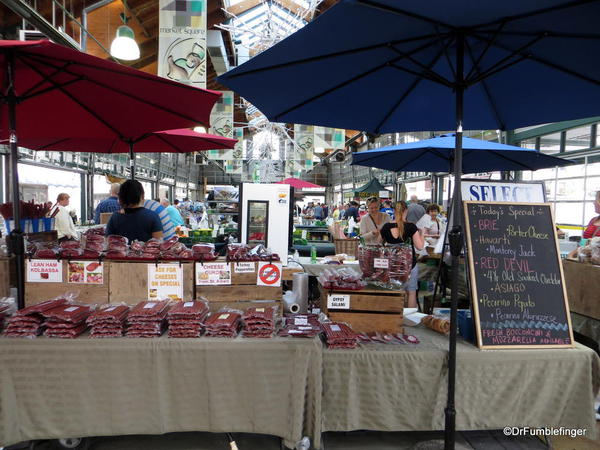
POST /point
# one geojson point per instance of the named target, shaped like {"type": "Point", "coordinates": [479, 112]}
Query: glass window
{"type": "Point", "coordinates": [569, 213]}
{"type": "Point", "coordinates": [576, 170]}
{"type": "Point", "coordinates": [569, 189]}
{"type": "Point", "coordinates": [591, 187]}
{"type": "Point", "coordinates": [578, 138]}
{"type": "Point", "coordinates": [544, 174]}
{"type": "Point", "coordinates": [528, 143]}
{"type": "Point", "coordinates": [589, 213]}
{"type": "Point", "coordinates": [550, 143]}
{"type": "Point", "coordinates": [593, 168]}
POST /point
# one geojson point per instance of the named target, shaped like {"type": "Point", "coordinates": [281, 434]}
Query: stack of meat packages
{"type": "Point", "coordinates": [71, 249]}
{"type": "Point", "coordinates": [108, 322]}
{"type": "Point", "coordinates": [259, 322]}
{"type": "Point", "coordinates": [186, 319]}
{"type": "Point", "coordinates": [339, 335]}
{"type": "Point", "coordinates": [117, 247]}
{"type": "Point", "coordinates": [223, 324]}
{"type": "Point", "coordinates": [204, 252]}
{"type": "Point", "coordinates": [6, 308]}
{"type": "Point", "coordinates": [66, 321]}
{"type": "Point", "coordinates": [301, 325]}
{"type": "Point", "coordinates": [173, 249]}
{"type": "Point", "coordinates": [28, 322]}
{"type": "Point", "coordinates": [94, 243]}
{"type": "Point", "coordinates": [147, 319]}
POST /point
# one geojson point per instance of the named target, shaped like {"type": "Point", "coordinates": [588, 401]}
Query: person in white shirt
{"type": "Point", "coordinates": [431, 225]}
{"type": "Point", "coordinates": [62, 219]}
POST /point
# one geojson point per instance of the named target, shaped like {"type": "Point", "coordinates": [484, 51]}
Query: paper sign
{"type": "Point", "coordinates": [304, 233]}
{"type": "Point", "coordinates": [44, 271]}
{"type": "Point", "coordinates": [85, 272]}
{"type": "Point", "coordinates": [260, 309]}
{"type": "Point", "coordinates": [269, 274]}
{"type": "Point", "coordinates": [300, 321]}
{"type": "Point", "coordinates": [213, 274]}
{"type": "Point", "coordinates": [112, 308]}
{"type": "Point", "coordinates": [244, 267]}
{"type": "Point", "coordinates": [188, 304]}
{"type": "Point", "coordinates": [165, 281]}
{"type": "Point", "coordinates": [335, 328]}
{"type": "Point", "coordinates": [338, 301]}
{"type": "Point", "coordinates": [149, 305]}
{"type": "Point", "coordinates": [72, 308]}
{"type": "Point", "coordinates": [381, 263]}
{"type": "Point", "coordinates": [223, 316]}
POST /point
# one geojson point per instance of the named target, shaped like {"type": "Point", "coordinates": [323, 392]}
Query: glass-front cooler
{"type": "Point", "coordinates": [258, 223]}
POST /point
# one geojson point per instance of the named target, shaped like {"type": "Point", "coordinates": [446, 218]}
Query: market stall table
{"type": "Point", "coordinates": [52, 388]}
{"type": "Point", "coordinates": [403, 387]}
{"type": "Point", "coordinates": [315, 269]}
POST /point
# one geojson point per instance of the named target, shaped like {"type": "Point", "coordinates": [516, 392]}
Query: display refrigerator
{"type": "Point", "coordinates": [267, 216]}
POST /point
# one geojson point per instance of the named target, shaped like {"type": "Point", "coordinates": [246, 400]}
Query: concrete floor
{"type": "Point", "coordinates": [356, 440]}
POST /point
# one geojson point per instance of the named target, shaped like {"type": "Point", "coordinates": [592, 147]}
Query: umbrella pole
{"type": "Point", "coordinates": [131, 161]}
{"type": "Point", "coordinates": [17, 244]}
{"type": "Point", "coordinates": [456, 241]}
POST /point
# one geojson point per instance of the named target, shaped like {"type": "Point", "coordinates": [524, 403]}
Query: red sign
{"type": "Point", "coordinates": [269, 274]}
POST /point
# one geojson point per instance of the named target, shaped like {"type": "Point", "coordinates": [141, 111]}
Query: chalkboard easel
{"type": "Point", "coordinates": [517, 283]}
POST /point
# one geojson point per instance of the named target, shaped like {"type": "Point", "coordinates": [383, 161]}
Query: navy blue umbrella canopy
{"type": "Point", "coordinates": [437, 155]}
{"type": "Point", "coordinates": [387, 66]}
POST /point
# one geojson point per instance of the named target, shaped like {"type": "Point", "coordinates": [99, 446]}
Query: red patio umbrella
{"type": "Point", "coordinates": [297, 183]}
{"type": "Point", "coordinates": [51, 91]}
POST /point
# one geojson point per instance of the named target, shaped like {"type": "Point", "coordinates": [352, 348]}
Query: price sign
{"type": "Point", "coordinates": [85, 272]}
{"type": "Point", "coordinates": [44, 271]}
{"type": "Point", "coordinates": [213, 274]}
{"type": "Point", "coordinates": [338, 301]}
{"type": "Point", "coordinates": [165, 281]}
{"type": "Point", "coordinates": [381, 263]}
{"type": "Point", "coordinates": [304, 233]}
{"type": "Point", "coordinates": [244, 267]}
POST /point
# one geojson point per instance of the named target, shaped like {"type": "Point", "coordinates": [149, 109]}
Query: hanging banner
{"type": "Point", "coordinates": [44, 271]}
{"type": "Point", "coordinates": [182, 41]}
{"type": "Point", "coordinates": [165, 281]}
{"type": "Point", "coordinates": [238, 150]}
{"type": "Point", "coordinates": [221, 121]}
{"type": "Point", "coordinates": [234, 166]}
{"type": "Point", "coordinates": [85, 272]}
{"type": "Point", "coordinates": [304, 138]}
{"type": "Point", "coordinates": [329, 138]}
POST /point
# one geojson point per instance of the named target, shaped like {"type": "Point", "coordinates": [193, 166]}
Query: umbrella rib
{"type": "Point", "coordinates": [43, 81]}
{"type": "Point", "coordinates": [329, 55]}
{"type": "Point", "coordinates": [485, 50]}
{"type": "Point", "coordinates": [135, 97]}
{"type": "Point", "coordinates": [168, 143]}
{"type": "Point", "coordinates": [351, 80]}
{"type": "Point", "coordinates": [401, 12]}
{"type": "Point", "coordinates": [35, 69]}
{"type": "Point", "coordinates": [497, 67]}
{"type": "Point", "coordinates": [539, 11]}
{"type": "Point", "coordinates": [548, 34]}
{"type": "Point", "coordinates": [485, 87]}
{"type": "Point", "coordinates": [51, 88]}
{"type": "Point", "coordinates": [442, 42]}
{"type": "Point", "coordinates": [433, 75]}
{"type": "Point", "coordinates": [403, 97]}
{"type": "Point", "coordinates": [542, 61]}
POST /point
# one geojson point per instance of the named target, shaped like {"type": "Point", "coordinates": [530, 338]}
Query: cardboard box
{"type": "Point", "coordinates": [582, 281]}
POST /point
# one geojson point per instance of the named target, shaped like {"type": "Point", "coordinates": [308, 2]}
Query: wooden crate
{"type": "Point", "coordinates": [7, 275]}
{"type": "Point", "coordinates": [583, 284]}
{"type": "Point", "coordinates": [250, 278]}
{"type": "Point", "coordinates": [244, 305]}
{"type": "Point", "coordinates": [371, 309]}
{"type": "Point", "coordinates": [86, 293]}
{"type": "Point", "coordinates": [128, 281]}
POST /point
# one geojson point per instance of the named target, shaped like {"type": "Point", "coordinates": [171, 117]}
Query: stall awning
{"type": "Point", "coordinates": [371, 189]}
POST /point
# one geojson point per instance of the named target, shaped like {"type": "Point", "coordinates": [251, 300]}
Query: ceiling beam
{"type": "Point", "coordinates": [136, 18]}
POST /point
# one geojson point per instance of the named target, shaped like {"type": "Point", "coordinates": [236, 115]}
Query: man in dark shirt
{"type": "Point", "coordinates": [352, 211]}
{"type": "Point", "coordinates": [109, 204]}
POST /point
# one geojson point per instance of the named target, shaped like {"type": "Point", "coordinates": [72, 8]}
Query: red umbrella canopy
{"type": "Point", "coordinates": [299, 184]}
{"type": "Point", "coordinates": [169, 141]}
{"type": "Point", "coordinates": [65, 93]}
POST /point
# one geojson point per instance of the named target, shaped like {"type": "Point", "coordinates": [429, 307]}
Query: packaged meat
{"type": "Point", "coordinates": [339, 335]}
{"type": "Point", "coordinates": [147, 309]}
{"type": "Point", "coordinates": [114, 240]}
{"type": "Point", "coordinates": [439, 324]}
{"type": "Point", "coordinates": [70, 245]}
{"type": "Point", "coordinates": [116, 255]}
{"type": "Point", "coordinates": [203, 248]}
{"type": "Point", "coordinates": [69, 333]}
{"type": "Point", "coordinates": [341, 279]}
{"type": "Point", "coordinates": [41, 307]}
{"type": "Point", "coordinates": [68, 313]}
{"type": "Point", "coordinates": [108, 314]}
{"type": "Point", "coordinates": [168, 243]}
{"type": "Point", "coordinates": [224, 323]}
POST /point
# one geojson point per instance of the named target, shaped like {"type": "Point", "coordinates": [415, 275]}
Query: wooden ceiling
{"type": "Point", "coordinates": [143, 19]}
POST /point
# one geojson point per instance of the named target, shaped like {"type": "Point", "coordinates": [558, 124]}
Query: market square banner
{"type": "Point", "coordinates": [182, 41]}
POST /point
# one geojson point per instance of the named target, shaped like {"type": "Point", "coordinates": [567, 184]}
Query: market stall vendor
{"type": "Point", "coordinates": [370, 225]}
{"type": "Point", "coordinates": [402, 232]}
{"type": "Point", "coordinates": [593, 228]}
{"type": "Point", "coordinates": [431, 225]}
{"type": "Point", "coordinates": [134, 221]}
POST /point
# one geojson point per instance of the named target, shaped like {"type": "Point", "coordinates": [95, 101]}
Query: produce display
{"type": "Point", "coordinates": [339, 335]}
{"type": "Point", "coordinates": [259, 322]}
{"type": "Point", "coordinates": [341, 279]}
{"type": "Point", "coordinates": [387, 266]}
{"type": "Point", "coordinates": [246, 253]}
{"type": "Point", "coordinates": [147, 319]}
{"type": "Point", "coordinates": [108, 321]}
{"type": "Point", "coordinates": [66, 321]}
{"type": "Point", "coordinates": [186, 319]}
{"type": "Point", "coordinates": [224, 323]}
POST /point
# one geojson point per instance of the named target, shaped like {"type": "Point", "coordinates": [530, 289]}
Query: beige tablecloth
{"type": "Point", "coordinates": [98, 387]}
{"type": "Point", "coordinates": [403, 388]}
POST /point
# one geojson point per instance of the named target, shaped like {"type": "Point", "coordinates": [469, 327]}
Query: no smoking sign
{"type": "Point", "coordinates": [269, 274]}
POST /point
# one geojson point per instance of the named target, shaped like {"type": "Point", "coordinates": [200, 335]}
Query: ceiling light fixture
{"type": "Point", "coordinates": [124, 46]}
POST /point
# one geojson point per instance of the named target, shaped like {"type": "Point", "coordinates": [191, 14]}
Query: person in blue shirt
{"type": "Point", "coordinates": [173, 212]}
{"type": "Point", "coordinates": [387, 208]}
{"type": "Point", "coordinates": [109, 204]}
{"type": "Point", "coordinates": [135, 222]}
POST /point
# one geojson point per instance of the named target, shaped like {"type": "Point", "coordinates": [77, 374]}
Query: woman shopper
{"type": "Point", "coordinates": [402, 232]}
{"type": "Point", "coordinates": [371, 223]}
{"type": "Point", "coordinates": [430, 224]}
{"type": "Point", "coordinates": [63, 222]}
{"type": "Point", "coordinates": [134, 221]}
{"type": "Point", "coordinates": [593, 228]}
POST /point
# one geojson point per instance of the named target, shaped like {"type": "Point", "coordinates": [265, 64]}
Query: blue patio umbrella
{"type": "Point", "coordinates": [437, 155]}
{"type": "Point", "coordinates": [389, 66]}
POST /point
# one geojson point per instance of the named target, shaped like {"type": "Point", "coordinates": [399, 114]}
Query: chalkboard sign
{"type": "Point", "coordinates": [517, 284]}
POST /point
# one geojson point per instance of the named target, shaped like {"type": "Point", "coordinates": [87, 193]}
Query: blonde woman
{"type": "Point", "coordinates": [593, 228]}
{"type": "Point", "coordinates": [371, 223]}
{"type": "Point", "coordinates": [402, 232]}
{"type": "Point", "coordinates": [62, 219]}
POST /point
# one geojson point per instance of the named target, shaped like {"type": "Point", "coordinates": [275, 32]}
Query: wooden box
{"type": "Point", "coordinates": [582, 282]}
{"type": "Point", "coordinates": [370, 309]}
{"type": "Point", "coordinates": [86, 293]}
{"type": "Point", "coordinates": [7, 275]}
{"type": "Point", "coordinates": [129, 281]}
